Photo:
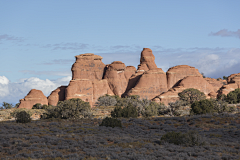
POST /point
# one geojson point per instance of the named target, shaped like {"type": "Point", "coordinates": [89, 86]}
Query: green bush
{"type": "Point", "coordinates": [106, 101]}
{"type": "Point", "coordinates": [111, 122]}
{"type": "Point", "coordinates": [203, 107]}
{"type": "Point", "coordinates": [153, 109]}
{"type": "Point", "coordinates": [23, 117]}
{"type": "Point", "coordinates": [125, 112]}
{"type": "Point", "coordinates": [69, 109]}
{"type": "Point", "coordinates": [233, 97]}
{"type": "Point", "coordinates": [191, 138]}
{"type": "Point", "coordinates": [174, 107]}
{"type": "Point", "coordinates": [39, 106]}
{"type": "Point", "coordinates": [191, 95]}
{"type": "Point", "coordinates": [6, 105]}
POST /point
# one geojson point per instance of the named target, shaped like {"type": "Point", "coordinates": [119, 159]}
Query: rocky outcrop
{"type": "Point", "coordinates": [88, 66]}
{"type": "Point", "coordinates": [115, 75]}
{"type": "Point", "coordinates": [196, 82]}
{"type": "Point", "coordinates": [177, 73]}
{"type": "Point", "coordinates": [148, 59]}
{"type": "Point", "coordinates": [33, 97]}
{"type": "Point", "coordinates": [57, 95]}
{"type": "Point", "coordinates": [216, 84]}
{"type": "Point", "coordinates": [91, 78]}
{"type": "Point", "coordinates": [233, 83]}
{"type": "Point", "coordinates": [150, 84]}
{"type": "Point", "coordinates": [87, 83]}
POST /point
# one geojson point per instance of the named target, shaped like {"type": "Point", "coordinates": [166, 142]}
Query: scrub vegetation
{"type": "Point", "coordinates": [134, 129]}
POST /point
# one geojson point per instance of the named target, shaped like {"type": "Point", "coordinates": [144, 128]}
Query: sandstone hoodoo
{"type": "Point", "coordinates": [33, 97]}
{"type": "Point", "coordinates": [91, 78]}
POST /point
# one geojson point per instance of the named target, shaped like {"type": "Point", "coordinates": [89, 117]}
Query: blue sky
{"type": "Point", "coordinates": [39, 39]}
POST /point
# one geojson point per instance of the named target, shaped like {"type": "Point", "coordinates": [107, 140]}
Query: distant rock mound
{"type": "Point", "coordinates": [177, 73]}
{"type": "Point", "coordinates": [33, 97]}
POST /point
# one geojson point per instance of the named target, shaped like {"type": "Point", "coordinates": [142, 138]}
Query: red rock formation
{"type": "Point", "coordinates": [233, 83]}
{"type": "Point", "coordinates": [87, 83]}
{"type": "Point", "coordinates": [216, 84]}
{"type": "Point", "coordinates": [57, 95]}
{"type": "Point", "coordinates": [148, 58]}
{"type": "Point", "coordinates": [88, 66]}
{"type": "Point", "coordinates": [196, 82]}
{"type": "Point", "coordinates": [150, 84]}
{"type": "Point", "coordinates": [175, 74]}
{"type": "Point", "coordinates": [33, 97]}
{"type": "Point", "coordinates": [115, 75]}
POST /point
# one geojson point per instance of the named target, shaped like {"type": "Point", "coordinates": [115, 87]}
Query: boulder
{"type": "Point", "coordinates": [177, 73]}
{"type": "Point", "coordinates": [33, 97]}
{"type": "Point", "coordinates": [88, 66]}
{"type": "Point", "coordinates": [57, 95]}
{"type": "Point", "coordinates": [150, 84]}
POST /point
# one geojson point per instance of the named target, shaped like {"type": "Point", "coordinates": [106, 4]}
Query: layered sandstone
{"type": "Point", "coordinates": [196, 82]}
{"type": "Point", "coordinates": [233, 83]}
{"type": "Point", "coordinates": [88, 66]}
{"type": "Point", "coordinates": [147, 61]}
{"type": "Point", "coordinates": [33, 97]}
{"type": "Point", "coordinates": [216, 84]}
{"type": "Point", "coordinates": [57, 95]}
{"type": "Point", "coordinates": [177, 73]}
{"type": "Point", "coordinates": [150, 84]}
{"type": "Point", "coordinates": [87, 83]}
{"type": "Point", "coordinates": [117, 75]}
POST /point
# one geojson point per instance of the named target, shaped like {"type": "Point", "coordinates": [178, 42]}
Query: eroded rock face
{"type": "Point", "coordinates": [196, 82]}
{"type": "Point", "coordinates": [148, 59]}
{"type": "Point", "coordinates": [233, 83]}
{"type": "Point", "coordinates": [87, 90]}
{"type": "Point", "coordinates": [33, 97]}
{"type": "Point", "coordinates": [57, 95]}
{"type": "Point", "coordinates": [115, 75]}
{"type": "Point", "coordinates": [150, 84]}
{"type": "Point", "coordinates": [88, 66]}
{"type": "Point", "coordinates": [177, 73]}
{"type": "Point", "coordinates": [216, 84]}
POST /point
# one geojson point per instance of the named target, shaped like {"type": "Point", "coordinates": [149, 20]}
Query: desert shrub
{"type": "Point", "coordinates": [39, 106]}
{"type": "Point", "coordinates": [23, 117]}
{"type": "Point", "coordinates": [69, 109]}
{"type": "Point", "coordinates": [125, 112]}
{"type": "Point", "coordinates": [14, 113]}
{"type": "Point", "coordinates": [111, 122]}
{"type": "Point", "coordinates": [191, 95]}
{"type": "Point", "coordinates": [153, 109]}
{"type": "Point", "coordinates": [191, 138]}
{"type": "Point", "coordinates": [6, 105]}
{"type": "Point", "coordinates": [203, 107]}
{"type": "Point", "coordinates": [174, 107]}
{"type": "Point", "coordinates": [233, 97]}
{"type": "Point", "coordinates": [106, 101]}
{"type": "Point", "coordinates": [220, 105]}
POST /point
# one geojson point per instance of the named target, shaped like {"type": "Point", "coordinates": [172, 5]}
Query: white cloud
{"type": "Point", "coordinates": [12, 92]}
{"type": "Point", "coordinates": [226, 33]}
